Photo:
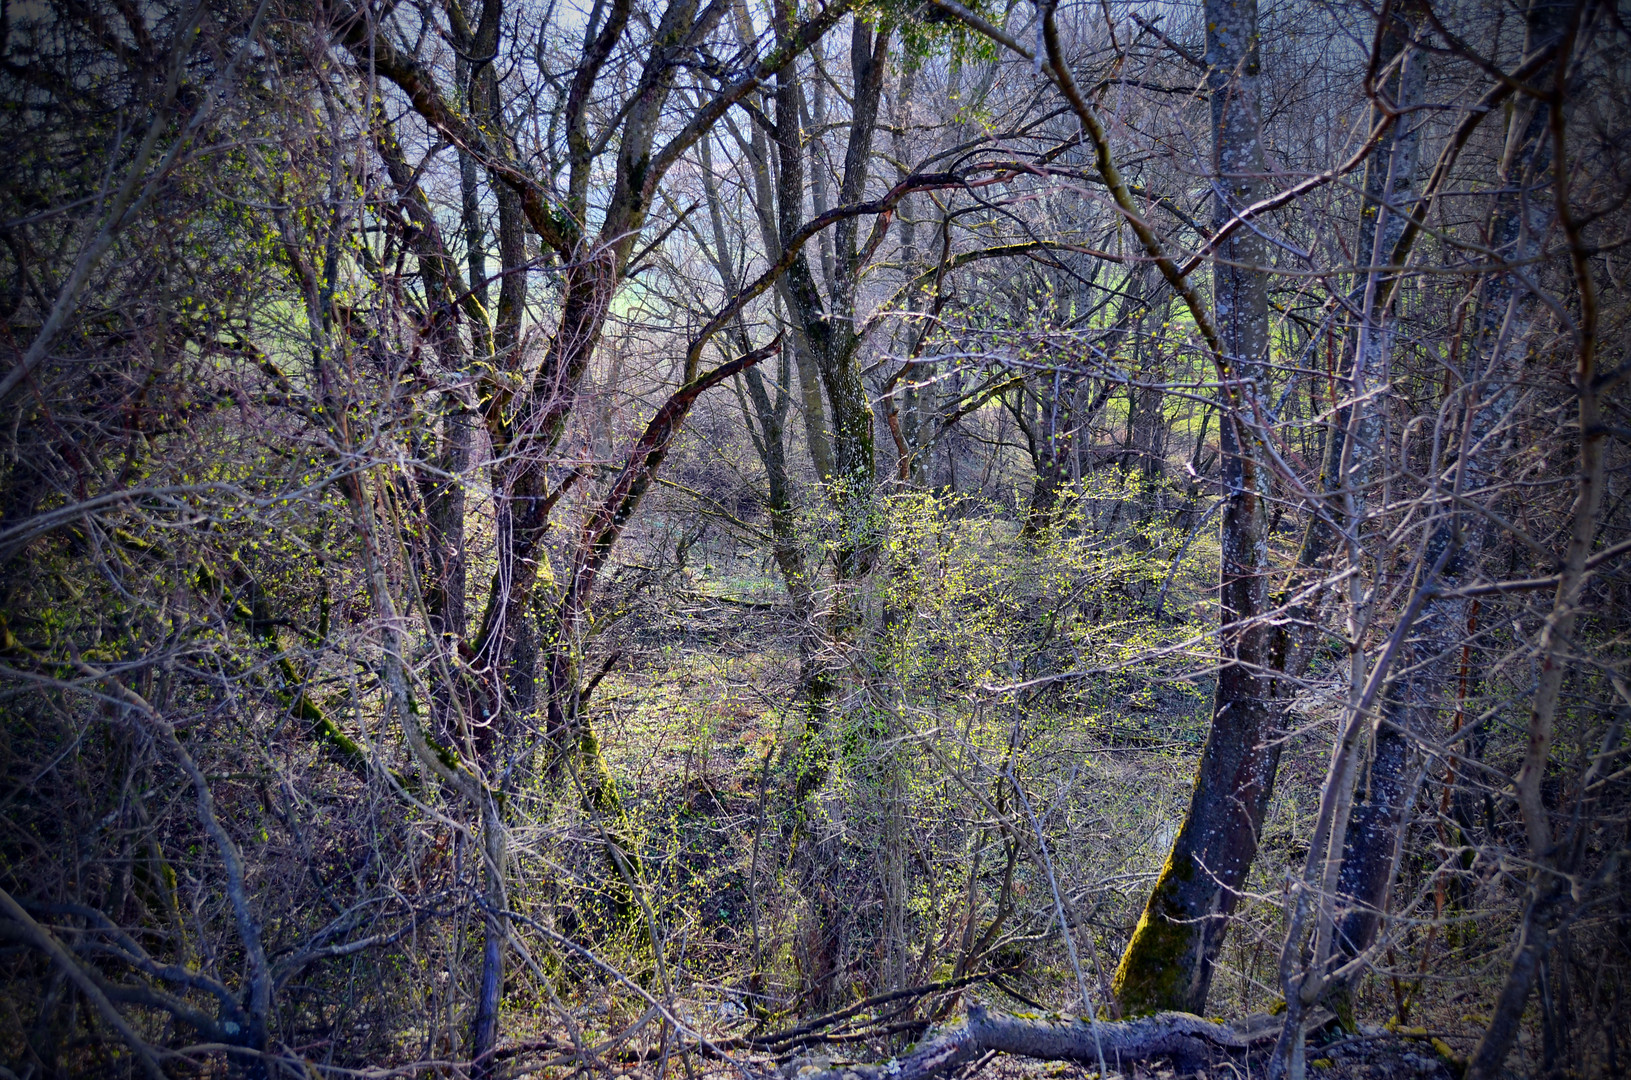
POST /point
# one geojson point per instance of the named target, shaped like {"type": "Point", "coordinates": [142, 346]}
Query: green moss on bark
{"type": "Point", "coordinates": [602, 800]}
{"type": "Point", "coordinates": [1157, 969]}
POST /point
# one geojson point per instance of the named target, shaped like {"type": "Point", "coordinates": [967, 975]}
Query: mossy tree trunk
{"type": "Point", "coordinates": [1169, 961]}
{"type": "Point", "coordinates": [825, 332]}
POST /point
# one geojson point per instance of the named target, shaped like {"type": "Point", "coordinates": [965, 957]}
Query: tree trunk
{"type": "Point", "coordinates": [1168, 963]}
{"type": "Point", "coordinates": [521, 667]}
{"type": "Point", "coordinates": [490, 990]}
{"type": "Point", "coordinates": [1370, 844]}
{"type": "Point", "coordinates": [1416, 701]}
{"type": "Point", "coordinates": [1554, 884]}
{"type": "Point", "coordinates": [828, 328]}
{"type": "Point", "coordinates": [1548, 903]}
{"type": "Point", "coordinates": [1049, 433]}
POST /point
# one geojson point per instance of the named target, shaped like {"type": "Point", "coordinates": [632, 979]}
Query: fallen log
{"type": "Point", "coordinates": [782, 1041]}
{"type": "Point", "coordinates": [1188, 1041]}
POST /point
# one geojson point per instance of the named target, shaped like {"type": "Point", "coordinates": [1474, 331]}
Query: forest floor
{"type": "Point", "coordinates": [694, 719]}
{"type": "Point", "coordinates": [1390, 1059]}
{"type": "Point", "coordinates": [692, 734]}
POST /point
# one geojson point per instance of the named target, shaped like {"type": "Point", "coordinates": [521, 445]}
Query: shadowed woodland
{"type": "Point", "coordinates": [826, 540]}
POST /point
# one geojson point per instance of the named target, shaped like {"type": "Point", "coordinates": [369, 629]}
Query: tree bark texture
{"type": "Point", "coordinates": [829, 326]}
{"type": "Point", "coordinates": [1415, 703]}
{"type": "Point", "coordinates": [1390, 189]}
{"type": "Point", "coordinates": [1168, 963]}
